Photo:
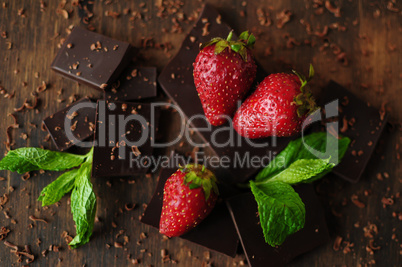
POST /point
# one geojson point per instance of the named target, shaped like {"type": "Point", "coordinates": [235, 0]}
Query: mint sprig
{"type": "Point", "coordinates": [280, 208]}
{"type": "Point", "coordinates": [83, 205]}
{"type": "Point", "coordinates": [83, 199]}
{"type": "Point", "coordinates": [28, 159]}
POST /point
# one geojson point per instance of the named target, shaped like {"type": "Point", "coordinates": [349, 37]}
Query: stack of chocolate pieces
{"type": "Point", "coordinates": [119, 125]}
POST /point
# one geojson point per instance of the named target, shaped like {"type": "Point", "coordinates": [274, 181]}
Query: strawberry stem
{"type": "Point", "coordinates": [305, 100]}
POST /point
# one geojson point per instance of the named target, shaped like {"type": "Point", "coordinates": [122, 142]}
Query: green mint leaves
{"type": "Point", "coordinates": [27, 159]}
{"type": "Point", "coordinates": [83, 199]}
{"type": "Point", "coordinates": [83, 205]}
{"type": "Point", "coordinates": [280, 208]}
{"type": "Point", "coordinates": [54, 191]}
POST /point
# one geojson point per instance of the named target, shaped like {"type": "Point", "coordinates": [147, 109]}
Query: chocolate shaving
{"type": "Point", "coordinates": [371, 245]}
{"type": "Point", "coordinates": [129, 207]}
{"type": "Point", "coordinates": [337, 243]}
{"type": "Point", "coordinates": [282, 18]}
{"type": "Point", "coordinates": [3, 199]}
{"type": "Point", "coordinates": [11, 245]}
{"type": "Point", "coordinates": [22, 106]}
{"type": "Point", "coordinates": [387, 202]}
{"type": "Point", "coordinates": [15, 125]}
{"type": "Point", "coordinates": [263, 17]}
{"type": "Point", "coordinates": [41, 87]}
{"type": "Point", "coordinates": [334, 10]}
{"type": "Point", "coordinates": [33, 218]}
{"type": "Point", "coordinates": [345, 125]}
{"type": "Point", "coordinates": [26, 176]}
{"type": "Point", "coordinates": [31, 257]}
{"type": "Point", "coordinates": [4, 232]}
{"type": "Point", "coordinates": [357, 202]}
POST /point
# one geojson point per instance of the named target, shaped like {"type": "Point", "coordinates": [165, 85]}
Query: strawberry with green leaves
{"type": "Point", "coordinates": [277, 107]}
{"type": "Point", "coordinates": [224, 71]}
{"type": "Point", "coordinates": [189, 196]}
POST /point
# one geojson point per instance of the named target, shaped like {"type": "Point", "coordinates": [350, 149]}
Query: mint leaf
{"type": "Point", "coordinates": [301, 171]}
{"type": "Point", "coordinates": [83, 205]}
{"type": "Point", "coordinates": [300, 149]}
{"type": "Point", "coordinates": [28, 159]}
{"type": "Point", "coordinates": [54, 191]}
{"type": "Point", "coordinates": [281, 210]}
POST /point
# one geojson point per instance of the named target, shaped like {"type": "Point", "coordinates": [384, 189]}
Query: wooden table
{"type": "Point", "coordinates": [369, 34]}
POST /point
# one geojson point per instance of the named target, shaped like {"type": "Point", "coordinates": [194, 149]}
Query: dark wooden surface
{"type": "Point", "coordinates": [372, 45]}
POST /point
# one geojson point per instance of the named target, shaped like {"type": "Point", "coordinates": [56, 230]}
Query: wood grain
{"type": "Point", "coordinates": [372, 48]}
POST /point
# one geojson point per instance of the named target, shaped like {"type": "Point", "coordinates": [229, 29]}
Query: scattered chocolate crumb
{"type": "Point", "coordinates": [205, 30]}
{"type": "Point", "coordinates": [334, 10]}
{"type": "Point", "coordinates": [282, 18]}
{"type": "Point", "coordinates": [118, 245]}
{"type": "Point", "coordinates": [26, 176]}
{"type": "Point", "coordinates": [3, 199]}
{"type": "Point", "coordinates": [387, 202]}
{"type": "Point", "coordinates": [337, 243]}
{"type": "Point", "coordinates": [4, 232]}
{"type": "Point", "coordinates": [33, 218]}
{"type": "Point", "coordinates": [129, 207]}
{"type": "Point", "coordinates": [355, 200]}
{"type": "Point", "coordinates": [11, 245]}
{"type": "Point", "coordinates": [263, 17]}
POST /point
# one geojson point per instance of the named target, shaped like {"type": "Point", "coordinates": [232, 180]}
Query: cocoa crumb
{"type": "Point", "coordinates": [205, 30]}
{"type": "Point", "coordinates": [4, 232]}
{"type": "Point", "coordinates": [263, 17]}
{"type": "Point", "coordinates": [118, 245]}
{"type": "Point", "coordinates": [387, 202]}
{"type": "Point", "coordinates": [282, 18]}
{"type": "Point", "coordinates": [334, 10]}
{"type": "Point", "coordinates": [337, 243]}
{"type": "Point", "coordinates": [355, 200]}
{"type": "Point", "coordinates": [33, 218]}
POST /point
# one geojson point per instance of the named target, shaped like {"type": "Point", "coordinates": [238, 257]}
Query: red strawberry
{"type": "Point", "coordinates": [278, 106]}
{"type": "Point", "coordinates": [224, 71]}
{"type": "Point", "coordinates": [189, 196]}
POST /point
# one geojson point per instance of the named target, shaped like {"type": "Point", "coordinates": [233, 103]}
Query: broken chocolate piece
{"type": "Point", "coordinates": [91, 58]}
{"type": "Point", "coordinates": [177, 81]}
{"type": "Point", "coordinates": [79, 117]}
{"type": "Point", "coordinates": [134, 83]}
{"type": "Point", "coordinates": [244, 210]}
{"type": "Point", "coordinates": [124, 133]}
{"type": "Point", "coordinates": [216, 232]}
{"type": "Point", "coordinates": [364, 127]}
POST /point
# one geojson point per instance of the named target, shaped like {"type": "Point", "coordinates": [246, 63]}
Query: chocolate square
{"type": "Point", "coordinates": [364, 128]}
{"type": "Point", "coordinates": [135, 83]}
{"type": "Point", "coordinates": [124, 133]}
{"type": "Point", "coordinates": [80, 117]}
{"type": "Point", "coordinates": [244, 209]}
{"type": "Point", "coordinates": [216, 232]}
{"type": "Point", "coordinates": [91, 58]}
{"type": "Point", "coordinates": [177, 81]}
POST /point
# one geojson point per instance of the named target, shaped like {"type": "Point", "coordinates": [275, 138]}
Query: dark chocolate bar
{"type": "Point", "coordinates": [177, 81]}
{"type": "Point", "coordinates": [364, 128]}
{"type": "Point", "coordinates": [123, 136]}
{"type": "Point", "coordinates": [135, 83]}
{"type": "Point", "coordinates": [80, 117]}
{"type": "Point", "coordinates": [244, 209]}
{"type": "Point", "coordinates": [91, 58]}
{"type": "Point", "coordinates": [216, 232]}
